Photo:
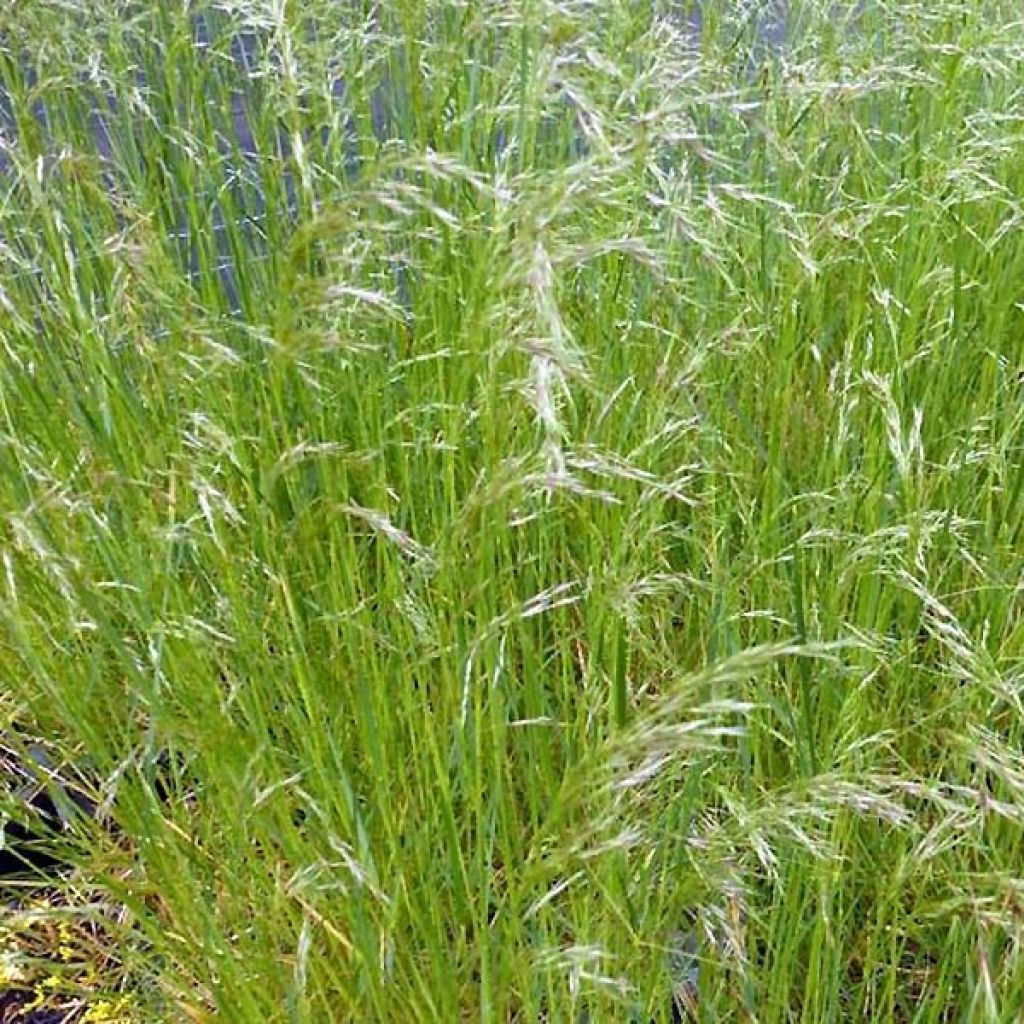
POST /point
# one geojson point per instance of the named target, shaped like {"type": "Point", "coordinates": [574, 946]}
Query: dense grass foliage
{"type": "Point", "coordinates": [487, 489]}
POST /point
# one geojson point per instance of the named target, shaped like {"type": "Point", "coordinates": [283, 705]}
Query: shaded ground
{"type": "Point", "coordinates": [19, 1006]}
{"type": "Point", "coordinates": [57, 966]}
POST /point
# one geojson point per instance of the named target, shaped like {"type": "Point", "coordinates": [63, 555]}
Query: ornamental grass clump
{"type": "Point", "coordinates": [513, 512]}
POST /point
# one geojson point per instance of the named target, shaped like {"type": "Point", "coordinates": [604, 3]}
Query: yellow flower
{"type": "Point", "coordinates": [11, 975]}
{"type": "Point", "coordinates": [106, 1012]}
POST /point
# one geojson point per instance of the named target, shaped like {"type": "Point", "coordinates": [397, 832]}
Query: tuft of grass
{"type": "Point", "coordinates": [516, 509]}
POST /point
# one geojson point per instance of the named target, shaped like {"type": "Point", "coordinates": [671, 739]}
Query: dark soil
{"type": "Point", "coordinates": [14, 1009]}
